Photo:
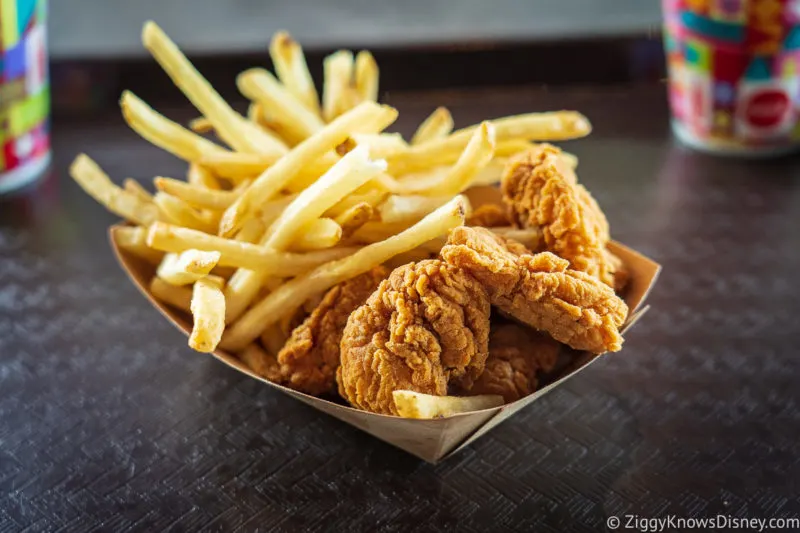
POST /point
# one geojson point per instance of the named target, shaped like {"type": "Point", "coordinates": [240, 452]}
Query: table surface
{"type": "Point", "coordinates": [109, 422]}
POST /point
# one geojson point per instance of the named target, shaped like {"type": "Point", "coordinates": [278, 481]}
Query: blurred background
{"type": "Point", "coordinates": [436, 44]}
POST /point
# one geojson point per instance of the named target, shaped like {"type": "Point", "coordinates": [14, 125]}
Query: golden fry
{"type": "Point", "coordinates": [195, 195]}
{"type": "Point", "coordinates": [354, 218]}
{"type": "Point", "coordinates": [133, 239]}
{"type": "Point", "coordinates": [439, 124]}
{"type": "Point", "coordinates": [337, 91]}
{"type": "Point", "coordinates": [236, 166]}
{"type": "Point", "coordinates": [317, 235]}
{"type": "Point", "coordinates": [98, 185]}
{"type": "Point", "coordinates": [202, 177]}
{"type": "Point", "coordinates": [290, 65]}
{"type": "Point", "coordinates": [208, 312]}
{"type": "Point", "coordinates": [187, 267]}
{"type": "Point", "coordinates": [177, 297]}
{"type": "Point", "coordinates": [134, 187]}
{"type": "Point", "coordinates": [170, 238]}
{"type": "Point", "coordinates": [180, 213]}
{"type": "Point", "coordinates": [201, 125]}
{"type": "Point", "coordinates": [366, 76]}
{"type": "Point", "coordinates": [240, 134]}
{"type": "Point", "coordinates": [411, 404]}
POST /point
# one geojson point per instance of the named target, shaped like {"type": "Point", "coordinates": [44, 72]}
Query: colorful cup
{"type": "Point", "coordinates": [24, 93]}
{"type": "Point", "coordinates": [734, 68]}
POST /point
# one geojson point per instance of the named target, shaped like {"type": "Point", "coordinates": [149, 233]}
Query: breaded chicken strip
{"type": "Point", "coordinates": [573, 307]}
{"type": "Point", "coordinates": [309, 359]}
{"type": "Point", "coordinates": [425, 328]}
{"type": "Point", "coordinates": [517, 354]}
{"type": "Point", "coordinates": [541, 191]}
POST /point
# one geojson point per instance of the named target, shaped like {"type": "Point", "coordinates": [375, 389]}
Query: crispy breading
{"type": "Point", "coordinates": [310, 357]}
{"type": "Point", "coordinates": [573, 307]}
{"type": "Point", "coordinates": [517, 354]}
{"type": "Point", "coordinates": [489, 216]}
{"type": "Point", "coordinates": [540, 191]}
{"type": "Point", "coordinates": [425, 328]}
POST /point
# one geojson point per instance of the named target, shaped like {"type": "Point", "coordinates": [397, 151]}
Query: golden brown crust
{"type": "Point", "coordinates": [425, 327]}
{"type": "Point", "coordinates": [573, 307]}
{"type": "Point", "coordinates": [311, 355]}
{"type": "Point", "coordinates": [489, 216]}
{"type": "Point", "coordinates": [517, 354]}
{"type": "Point", "coordinates": [540, 191]}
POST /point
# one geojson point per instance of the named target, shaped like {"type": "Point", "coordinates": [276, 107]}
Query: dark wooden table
{"type": "Point", "coordinates": [108, 422]}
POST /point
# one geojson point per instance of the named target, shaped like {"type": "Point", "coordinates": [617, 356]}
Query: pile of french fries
{"type": "Point", "coordinates": [302, 193]}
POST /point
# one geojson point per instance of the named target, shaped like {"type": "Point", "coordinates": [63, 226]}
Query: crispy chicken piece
{"type": "Point", "coordinates": [541, 191]}
{"type": "Point", "coordinates": [425, 328]}
{"type": "Point", "coordinates": [517, 354]}
{"type": "Point", "coordinates": [311, 355]}
{"type": "Point", "coordinates": [573, 307]}
{"type": "Point", "coordinates": [489, 216]}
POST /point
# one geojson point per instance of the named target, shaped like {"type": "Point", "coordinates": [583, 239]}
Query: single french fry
{"type": "Point", "coordinates": [317, 235]}
{"type": "Point", "coordinates": [163, 132]}
{"type": "Point", "coordinates": [251, 231]}
{"type": "Point", "coordinates": [98, 185]}
{"type": "Point", "coordinates": [409, 208]}
{"type": "Point", "coordinates": [180, 213]}
{"type": "Point", "coordinates": [376, 231]}
{"type": "Point", "coordinates": [559, 125]}
{"type": "Point", "coordinates": [352, 171]}
{"type": "Point", "coordinates": [368, 115]}
{"type": "Point", "coordinates": [261, 363]}
{"type": "Point", "coordinates": [242, 288]}
{"type": "Point", "coordinates": [290, 66]}
{"type": "Point", "coordinates": [380, 145]}
{"type": "Point", "coordinates": [208, 312]}
{"type": "Point", "coordinates": [372, 197]}
{"type": "Point", "coordinates": [201, 125]}
{"type": "Point", "coordinates": [202, 177]}
{"type": "Point", "coordinates": [187, 267]}
{"type": "Point", "coordinates": [439, 124]}
{"type": "Point", "coordinates": [177, 297]}
{"type": "Point", "coordinates": [294, 292]}
{"type": "Point", "coordinates": [133, 239]}
{"type": "Point", "coordinates": [240, 134]}
{"type": "Point", "coordinates": [411, 404]}
{"type": "Point", "coordinates": [269, 212]}
{"type": "Point", "coordinates": [134, 187]}
{"type": "Point", "coordinates": [354, 218]}
{"type": "Point", "coordinates": [476, 156]}
{"type": "Point", "coordinates": [296, 121]}
{"type": "Point", "coordinates": [366, 76]}
{"type": "Point", "coordinates": [169, 238]}
{"type": "Point", "coordinates": [236, 166]}
{"type": "Point", "coordinates": [273, 338]}
{"type": "Point", "coordinates": [195, 195]}
{"type": "Point", "coordinates": [337, 96]}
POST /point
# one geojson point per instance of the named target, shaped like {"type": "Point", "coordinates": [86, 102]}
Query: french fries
{"type": "Point", "coordinates": [319, 234]}
{"type": "Point", "coordinates": [133, 239]}
{"type": "Point", "coordinates": [239, 133]}
{"type": "Point", "coordinates": [366, 76]}
{"type": "Point", "coordinates": [136, 189]}
{"type": "Point", "coordinates": [295, 120]}
{"type": "Point", "coordinates": [410, 208]}
{"type": "Point", "coordinates": [170, 238]}
{"type": "Point", "coordinates": [98, 185]}
{"type": "Point", "coordinates": [438, 125]}
{"type": "Point", "coordinates": [180, 213]}
{"type": "Point", "coordinates": [197, 195]}
{"type": "Point", "coordinates": [236, 166]}
{"type": "Point", "coordinates": [201, 125]}
{"type": "Point", "coordinates": [411, 404]}
{"type": "Point", "coordinates": [187, 267]}
{"type": "Point", "coordinates": [352, 171]}
{"type": "Point", "coordinates": [163, 132]}
{"type": "Point", "coordinates": [354, 218]}
{"type": "Point", "coordinates": [338, 93]}
{"type": "Point", "coordinates": [366, 116]}
{"type": "Point", "coordinates": [290, 65]}
{"type": "Point", "coordinates": [293, 293]}
{"type": "Point", "coordinates": [208, 313]}
{"type": "Point", "coordinates": [178, 297]}
{"type": "Point", "coordinates": [202, 176]}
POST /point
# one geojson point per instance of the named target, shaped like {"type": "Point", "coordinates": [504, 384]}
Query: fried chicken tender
{"type": "Point", "coordinates": [309, 359]}
{"type": "Point", "coordinates": [517, 354]}
{"type": "Point", "coordinates": [489, 216]}
{"type": "Point", "coordinates": [541, 191]}
{"type": "Point", "coordinates": [425, 328]}
{"type": "Point", "coordinates": [573, 307]}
